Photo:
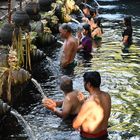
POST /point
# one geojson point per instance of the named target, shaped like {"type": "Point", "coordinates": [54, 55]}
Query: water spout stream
{"type": "Point", "coordinates": [53, 67]}
{"type": "Point", "coordinates": [76, 21]}
{"type": "Point", "coordinates": [81, 12]}
{"type": "Point", "coordinates": [97, 3]}
{"type": "Point", "coordinates": [59, 41]}
{"type": "Point", "coordinates": [25, 125]}
{"type": "Point", "coordinates": [38, 87]}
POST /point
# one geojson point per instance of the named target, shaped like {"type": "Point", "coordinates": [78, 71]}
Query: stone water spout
{"type": "Point", "coordinates": [4, 107]}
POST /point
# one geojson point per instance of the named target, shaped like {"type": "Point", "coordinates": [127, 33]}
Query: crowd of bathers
{"type": "Point", "coordinates": [89, 114]}
{"type": "Point", "coordinates": [90, 32]}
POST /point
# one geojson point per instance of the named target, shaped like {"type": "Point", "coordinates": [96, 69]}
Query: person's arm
{"type": "Point", "coordinates": [81, 97]}
{"type": "Point", "coordinates": [79, 36]}
{"type": "Point", "coordinates": [94, 33]}
{"type": "Point", "coordinates": [85, 43]}
{"type": "Point", "coordinates": [82, 115]}
{"type": "Point", "coordinates": [109, 105]}
{"type": "Point", "coordinates": [80, 47]}
{"type": "Point", "coordinates": [49, 103]}
{"type": "Point", "coordinates": [66, 108]}
{"type": "Point", "coordinates": [59, 103]}
{"type": "Point", "coordinates": [85, 20]}
{"type": "Point", "coordinates": [126, 35]}
{"type": "Point", "coordinates": [125, 40]}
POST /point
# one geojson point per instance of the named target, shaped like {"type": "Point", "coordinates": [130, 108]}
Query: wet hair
{"type": "Point", "coordinates": [66, 84]}
{"type": "Point", "coordinates": [86, 7]}
{"type": "Point", "coordinates": [89, 17]}
{"type": "Point", "coordinates": [93, 11]}
{"type": "Point", "coordinates": [93, 78]}
{"type": "Point", "coordinates": [66, 26]}
{"type": "Point", "coordinates": [87, 28]}
{"type": "Point", "coordinates": [98, 22]}
{"type": "Point", "coordinates": [127, 21]}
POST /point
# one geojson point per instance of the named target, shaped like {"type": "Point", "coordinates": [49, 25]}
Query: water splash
{"type": "Point", "coordinates": [23, 123]}
{"type": "Point", "coordinates": [81, 12]}
{"type": "Point", "coordinates": [53, 67]}
{"type": "Point", "coordinates": [38, 87]}
{"type": "Point", "coordinates": [97, 3]}
{"type": "Point", "coordinates": [76, 21]}
{"type": "Point", "coordinates": [59, 41]}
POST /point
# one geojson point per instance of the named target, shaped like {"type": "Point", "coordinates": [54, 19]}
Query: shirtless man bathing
{"type": "Point", "coordinates": [70, 104]}
{"type": "Point", "coordinates": [69, 48]}
{"type": "Point", "coordinates": [92, 120]}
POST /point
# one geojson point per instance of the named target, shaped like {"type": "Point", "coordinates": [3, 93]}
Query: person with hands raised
{"type": "Point", "coordinates": [71, 104]}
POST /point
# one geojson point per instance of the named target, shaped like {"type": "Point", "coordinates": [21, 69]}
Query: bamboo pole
{"type": "Point", "coordinates": [9, 11]}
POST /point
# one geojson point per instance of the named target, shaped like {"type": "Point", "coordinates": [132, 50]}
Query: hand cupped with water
{"type": "Point", "coordinates": [49, 103]}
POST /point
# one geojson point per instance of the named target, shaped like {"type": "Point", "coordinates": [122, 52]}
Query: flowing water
{"type": "Point", "coordinates": [37, 85]}
{"type": "Point", "coordinates": [25, 125]}
{"type": "Point", "coordinates": [120, 74]}
{"type": "Point", "coordinates": [97, 3]}
{"type": "Point", "coordinates": [59, 41]}
{"type": "Point", "coordinates": [76, 21]}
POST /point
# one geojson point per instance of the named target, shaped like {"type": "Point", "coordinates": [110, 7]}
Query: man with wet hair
{"type": "Point", "coordinates": [92, 120]}
{"type": "Point", "coordinates": [69, 48]}
{"type": "Point", "coordinates": [70, 104]}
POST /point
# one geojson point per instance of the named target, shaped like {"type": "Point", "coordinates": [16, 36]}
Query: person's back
{"type": "Point", "coordinates": [72, 100]}
{"type": "Point", "coordinates": [95, 112]}
{"type": "Point", "coordinates": [98, 113]}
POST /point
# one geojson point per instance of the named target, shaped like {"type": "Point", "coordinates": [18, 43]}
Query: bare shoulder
{"type": "Point", "coordinates": [67, 98]}
{"type": "Point", "coordinates": [73, 41]}
{"type": "Point", "coordinates": [71, 96]}
{"type": "Point", "coordinates": [88, 103]}
{"type": "Point", "coordinates": [106, 96]}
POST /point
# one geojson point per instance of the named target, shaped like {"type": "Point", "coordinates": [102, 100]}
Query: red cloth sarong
{"type": "Point", "coordinates": [97, 135]}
